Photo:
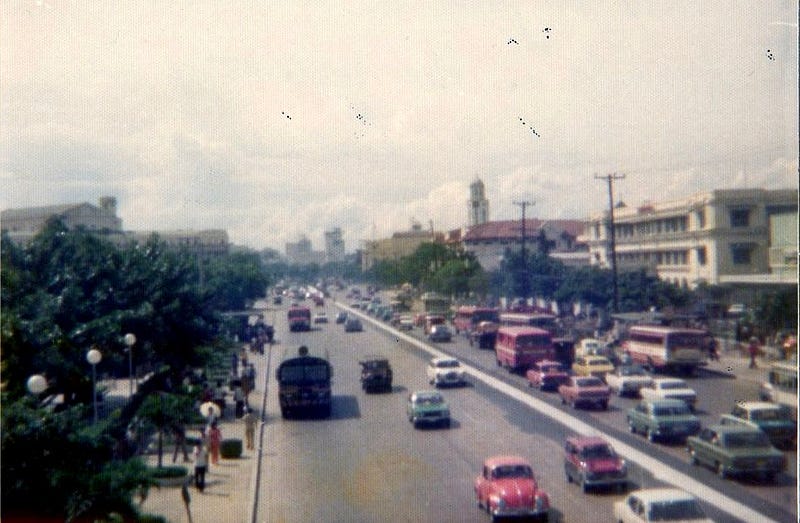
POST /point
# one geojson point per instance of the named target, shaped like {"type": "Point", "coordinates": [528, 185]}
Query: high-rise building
{"type": "Point", "coordinates": [478, 204]}
{"type": "Point", "coordinates": [334, 245]}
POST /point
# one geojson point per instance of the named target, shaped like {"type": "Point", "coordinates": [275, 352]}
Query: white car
{"type": "Point", "coordinates": [669, 388]}
{"type": "Point", "coordinates": [320, 317]}
{"type": "Point", "coordinates": [445, 371]}
{"type": "Point", "coordinates": [406, 323]}
{"type": "Point", "coordinates": [659, 504]}
{"type": "Point", "coordinates": [628, 379]}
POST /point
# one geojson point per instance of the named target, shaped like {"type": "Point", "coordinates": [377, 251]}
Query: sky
{"type": "Point", "coordinates": [273, 120]}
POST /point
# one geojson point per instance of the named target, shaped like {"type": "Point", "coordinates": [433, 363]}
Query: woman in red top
{"type": "Point", "coordinates": [214, 440]}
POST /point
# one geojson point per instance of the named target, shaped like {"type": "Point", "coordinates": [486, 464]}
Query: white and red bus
{"type": "Point", "coordinates": [468, 317]}
{"type": "Point", "coordinates": [299, 318]}
{"type": "Point", "coordinates": [657, 347]}
{"type": "Point", "coordinates": [517, 348]}
{"type": "Point", "coordinates": [529, 319]}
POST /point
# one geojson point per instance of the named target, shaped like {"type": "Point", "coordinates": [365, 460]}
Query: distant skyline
{"type": "Point", "coordinates": [274, 120]}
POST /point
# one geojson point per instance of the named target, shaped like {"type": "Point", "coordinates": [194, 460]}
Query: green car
{"type": "Point", "coordinates": [663, 419]}
{"type": "Point", "coordinates": [775, 420]}
{"type": "Point", "coordinates": [736, 450]}
{"type": "Point", "coordinates": [428, 407]}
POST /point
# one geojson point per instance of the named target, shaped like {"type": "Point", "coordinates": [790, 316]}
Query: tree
{"type": "Point", "coordinates": [164, 411]}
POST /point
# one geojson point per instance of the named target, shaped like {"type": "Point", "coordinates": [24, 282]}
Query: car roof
{"type": "Point", "coordinates": [440, 359]}
{"type": "Point", "coordinates": [758, 405]}
{"type": "Point", "coordinates": [731, 429]}
{"type": "Point", "coordinates": [496, 461]}
{"type": "Point", "coordinates": [427, 393]}
{"type": "Point", "coordinates": [665, 402]}
{"type": "Point", "coordinates": [587, 441]}
{"type": "Point", "coordinates": [654, 495]}
{"type": "Point", "coordinates": [668, 380]}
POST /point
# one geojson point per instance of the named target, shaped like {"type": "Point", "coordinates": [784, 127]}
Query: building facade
{"type": "Point", "coordinates": [399, 245]}
{"type": "Point", "coordinates": [334, 245]}
{"type": "Point", "coordinates": [716, 237]}
{"type": "Point", "coordinates": [24, 223]}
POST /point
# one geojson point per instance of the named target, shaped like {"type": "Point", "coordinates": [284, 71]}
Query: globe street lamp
{"type": "Point", "coordinates": [36, 384]}
{"type": "Point", "coordinates": [130, 339]}
{"type": "Point", "coordinates": [93, 356]}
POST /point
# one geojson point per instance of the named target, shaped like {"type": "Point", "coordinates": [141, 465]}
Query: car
{"type": "Point", "coordinates": [546, 375]}
{"type": "Point", "coordinates": [590, 461]}
{"type": "Point", "coordinates": [507, 487]}
{"type": "Point", "coordinates": [320, 317]}
{"type": "Point", "coordinates": [445, 371]}
{"type": "Point", "coordinates": [669, 388]}
{"type": "Point", "coordinates": [427, 407]}
{"type": "Point", "coordinates": [628, 379]}
{"type": "Point", "coordinates": [406, 323]}
{"type": "Point", "coordinates": [774, 420]}
{"type": "Point", "coordinates": [355, 305]}
{"type": "Point", "coordinates": [584, 390]}
{"type": "Point", "coordinates": [440, 333]}
{"type": "Point", "coordinates": [353, 325]}
{"type": "Point", "coordinates": [736, 450]}
{"type": "Point", "coordinates": [659, 504]}
{"type": "Point", "coordinates": [341, 317]}
{"type": "Point", "coordinates": [597, 366]}
{"type": "Point", "coordinates": [662, 419]}
{"type": "Point", "coordinates": [376, 374]}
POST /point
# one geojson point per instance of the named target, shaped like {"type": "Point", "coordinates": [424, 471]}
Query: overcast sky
{"type": "Point", "coordinates": [276, 119]}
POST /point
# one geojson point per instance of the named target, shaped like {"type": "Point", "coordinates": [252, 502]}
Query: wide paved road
{"type": "Point", "coordinates": [367, 463]}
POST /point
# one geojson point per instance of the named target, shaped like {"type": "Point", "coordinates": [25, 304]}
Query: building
{"type": "Point", "coordinates": [300, 253]}
{"type": "Point", "coordinates": [478, 205]}
{"type": "Point", "coordinates": [489, 241]}
{"type": "Point", "coordinates": [334, 245]}
{"type": "Point", "coordinates": [733, 236]}
{"type": "Point", "coordinates": [399, 245]}
{"type": "Point", "coordinates": [24, 223]}
{"type": "Point", "coordinates": [208, 242]}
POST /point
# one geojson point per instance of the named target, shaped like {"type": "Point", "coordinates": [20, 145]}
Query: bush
{"type": "Point", "coordinates": [174, 471]}
{"type": "Point", "coordinates": [230, 448]}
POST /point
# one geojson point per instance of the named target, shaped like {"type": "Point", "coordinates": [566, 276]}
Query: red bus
{"type": "Point", "coordinates": [517, 348]}
{"type": "Point", "coordinates": [659, 347]}
{"type": "Point", "coordinates": [469, 316]}
{"type": "Point", "coordinates": [299, 318]}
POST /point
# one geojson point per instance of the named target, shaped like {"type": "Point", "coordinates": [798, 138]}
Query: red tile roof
{"type": "Point", "coordinates": [512, 229]}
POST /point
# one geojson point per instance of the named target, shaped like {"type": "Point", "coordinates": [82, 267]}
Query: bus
{"type": "Point", "coordinates": [657, 347]}
{"type": "Point", "coordinates": [781, 385]}
{"type": "Point", "coordinates": [468, 317]}
{"type": "Point", "coordinates": [304, 384]}
{"type": "Point", "coordinates": [518, 348]}
{"type": "Point", "coordinates": [529, 319]}
{"type": "Point", "coordinates": [299, 318]}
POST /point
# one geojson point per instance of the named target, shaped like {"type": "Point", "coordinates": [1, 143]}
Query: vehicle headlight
{"type": "Point", "coordinates": [498, 502]}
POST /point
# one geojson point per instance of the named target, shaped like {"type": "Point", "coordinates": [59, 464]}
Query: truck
{"type": "Point", "coordinates": [299, 318]}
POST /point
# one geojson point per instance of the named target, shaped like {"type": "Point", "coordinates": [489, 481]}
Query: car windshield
{"type": "Point", "coordinates": [632, 371]}
{"type": "Point", "coordinates": [598, 362]}
{"type": "Point", "coordinates": [512, 471]}
{"type": "Point", "coordinates": [671, 410]}
{"type": "Point", "coordinates": [675, 510]}
{"type": "Point", "coordinates": [447, 364]}
{"type": "Point", "coordinates": [673, 385]}
{"type": "Point", "coordinates": [376, 364]}
{"type": "Point", "coordinates": [588, 382]}
{"type": "Point", "coordinates": [747, 439]}
{"type": "Point", "coordinates": [597, 452]}
{"type": "Point", "coordinates": [768, 415]}
{"type": "Point", "coordinates": [429, 399]}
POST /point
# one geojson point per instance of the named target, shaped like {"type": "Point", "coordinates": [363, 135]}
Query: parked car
{"type": "Point", "coordinates": [736, 450]}
{"type": "Point", "coordinates": [584, 390]}
{"type": "Point", "coordinates": [427, 407]}
{"type": "Point", "coordinates": [669, 388]}
{"type": "Point", "coordinates": [376, 374]}
{"type": "Point", "coordinates": [774, 420]}
{"type": "Point", "coordinates": [590, 461]}
{"type": "Point", "coordinates": [659, 504]}
{"type": "Point", "coordinates": [507, 487]}
{"type": "Point", "coordinates": [445, 371]}
{"type": "Point", "coordinates": [663, 419]}
{"type": "Point", "coordinates": [546, 375]}
{"type": "Point", "coordinates": [353, 325]}
{"type": "Point", "coordinates": [341, 317]}
{"type": "Point", "coordinates": [440, 333]}
{"type": "Point", "coordinates": [406, 323]}
{"type": "Point", "coordinates": [628, 379]}
{"type": "Point", "coordinates": [320, 317]}
{"type": "Point", "coordinates": [597, 366]}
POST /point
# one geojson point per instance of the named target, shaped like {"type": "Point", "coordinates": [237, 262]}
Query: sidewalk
{"type": "Point", "coordinates": [228, 492]}
{"type": "Point", "coordinates": [735, 365]}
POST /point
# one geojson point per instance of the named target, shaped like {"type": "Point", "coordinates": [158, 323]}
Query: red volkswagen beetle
{"type": "Point", "coordinates": [508, 488]}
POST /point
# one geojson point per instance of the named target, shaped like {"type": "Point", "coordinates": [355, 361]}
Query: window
{"type": "Point", "coordinates": [701, 218]}
{"type": "Point", "coordinates": [740, 217]}
{"type": "Point", "coordinates": [701, 255]}
{"type": "Point", "coordinates": [740, 254]}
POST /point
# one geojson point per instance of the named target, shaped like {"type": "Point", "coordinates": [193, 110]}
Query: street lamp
{"type": "Point", "coordinates": [36, 384]}
{"type": "Point", "coordinates": [93, 356]}
{"type": "Point", "coordinates": [130, 339]}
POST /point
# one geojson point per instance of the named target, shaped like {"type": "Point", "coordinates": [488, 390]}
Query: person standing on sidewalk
{"type": "Point", "coordinates": [250, 421]}
{"type": "Point", "coordinates": [200, 466]}
{"type": "Point", "coordinates": [214, 441]}
{"type": "Point", "coordinates": [753, 349]}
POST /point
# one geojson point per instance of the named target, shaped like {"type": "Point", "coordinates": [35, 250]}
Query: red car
{"type": "Point", "coordinates": [508, 488]}
{"type": "Point", "coordinates": [591, 462]}
{"type": "Point", "coordinates": [584, 390]}
{"type": "Point", "coordinates": [547, 375]}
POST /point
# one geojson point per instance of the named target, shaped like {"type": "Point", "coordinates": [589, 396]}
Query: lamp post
{"type": "Point", "coordinates": [93, 356]}
{"type": "Point", "coordinates": [36, 384]}
{"type": "Point", "coordinates": [130, 340]}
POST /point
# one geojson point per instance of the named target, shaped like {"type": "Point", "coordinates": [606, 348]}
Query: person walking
{"type": "Point", "coordinates": [753, 349]}
{"type": "Point", "coordinates": [200, 466]}
{"type": "Point", "coordinates": [214, 441]}
{"type": "Point", "coordinates": [250, 421]}
{"type": "Point", "coordinates": [179, 433]}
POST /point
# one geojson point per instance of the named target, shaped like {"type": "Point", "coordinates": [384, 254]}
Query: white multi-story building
{"type": "Point", "coordinates": [717, 237]}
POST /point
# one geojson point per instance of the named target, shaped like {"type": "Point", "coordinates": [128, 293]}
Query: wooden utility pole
{"type": "Point", "coordinates": [611, 230]}
{"type": "Point", "coordinates": [523, 204]}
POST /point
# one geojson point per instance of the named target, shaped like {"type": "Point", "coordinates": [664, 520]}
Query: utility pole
{"type": "Point", "coordinates": [523, 204]}
{"type": "Point", "coordinates": [612, 233]}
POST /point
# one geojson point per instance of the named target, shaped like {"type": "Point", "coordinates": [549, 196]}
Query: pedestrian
{"type": "Point", "coordinates": [179, 433]}
{"type": "Point", "coordinates": [214, 441]}
{"type": "Point", "coordinates": [250, 421]}
{"type": "Point", "coordinates": [713, 353]}
{"type": "Point", "coordinates": [753, 349]}
{"type": "Point", "coordinates": [200, 466]}
{"type": "Point", "coordinates": [238, 399]}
